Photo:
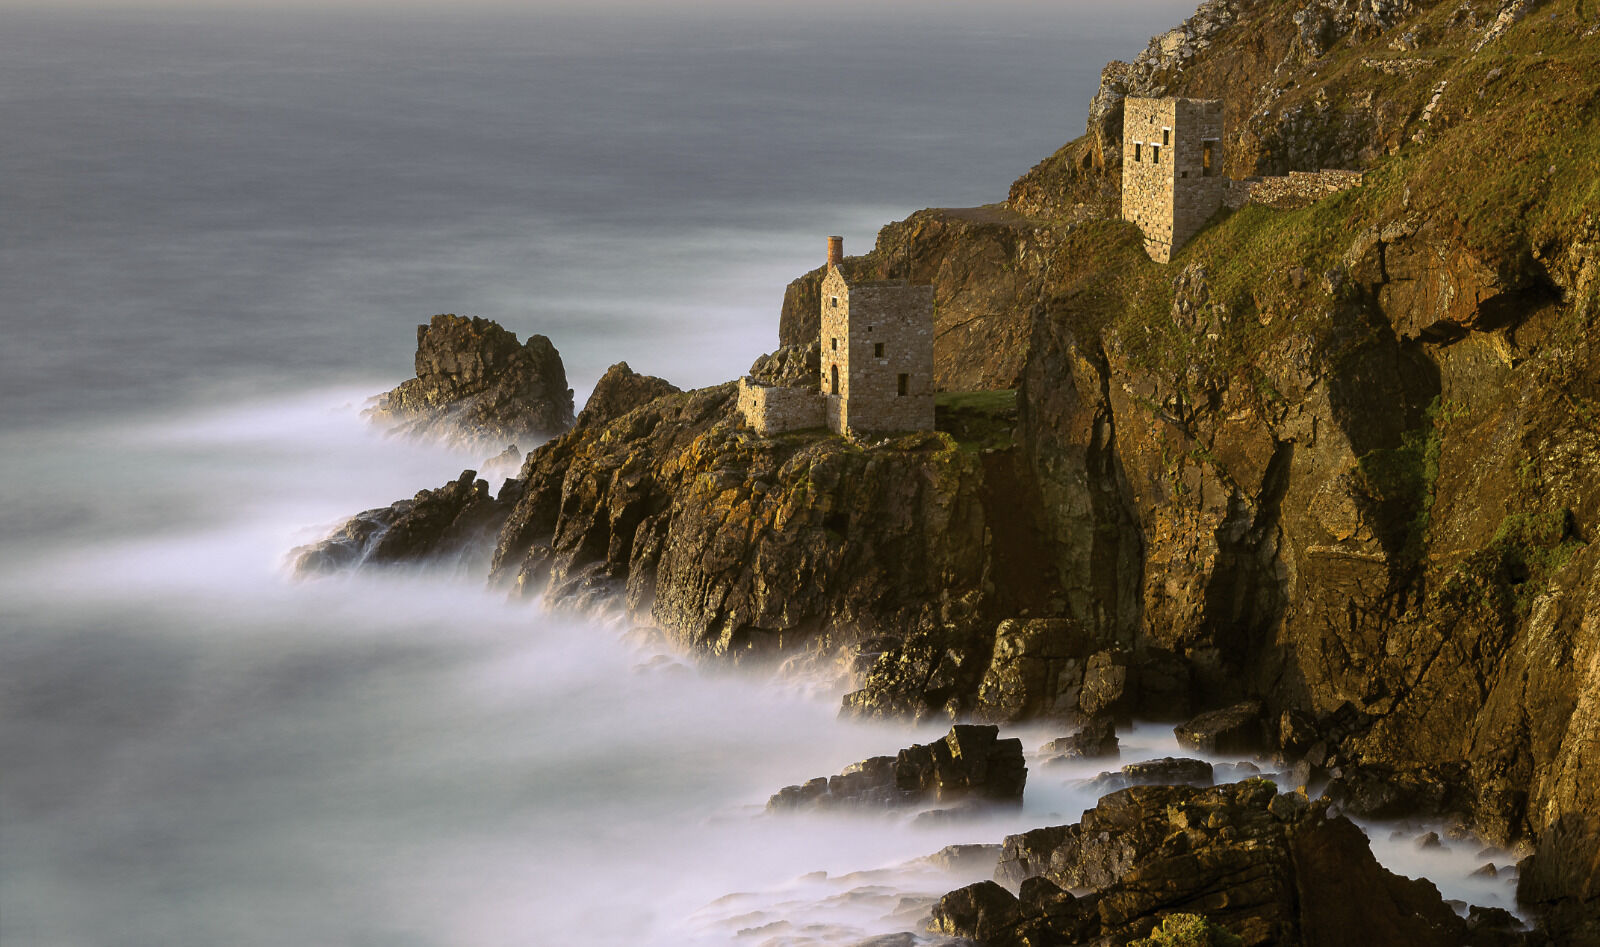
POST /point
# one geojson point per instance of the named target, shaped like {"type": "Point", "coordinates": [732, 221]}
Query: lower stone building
{"type": "Point", "coordinates": [877, 362]}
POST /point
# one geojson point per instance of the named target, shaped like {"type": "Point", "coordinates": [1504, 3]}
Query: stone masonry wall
{"type": "Point", "coordinates": [1168, 187]}
{"type": "Point", "coordinates": [769, 409]}
{"type": "Point", "coordinates": [872, 334]}
{"type": "Point", "coordinates": [1297, 189]}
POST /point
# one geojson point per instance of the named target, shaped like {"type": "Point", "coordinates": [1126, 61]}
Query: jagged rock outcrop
{"type": "Point", "coordinates": [970, 764]}
{"type": "Point", "coordinates": [476, 383]}
{"type": "Point", "coordinates": [1269, 868]}
{"type": "Point", "coordinates": [454, 523]}
{"type": "Point", "coordinates": [619, 391]}
{"type": "Point", "coordinates": [791, 366]}
{"type": "Point", "coordinates": [737, 544]}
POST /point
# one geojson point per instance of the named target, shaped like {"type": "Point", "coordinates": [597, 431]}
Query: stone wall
{"type": "Point", "coordinates": [1171, 169]}
{"type": "Point", "coordinates": [1296, 189]}
{"type": "Point", "coordinates": [877, 355]}
{"type": "Point", "coordinates": [770, 409]}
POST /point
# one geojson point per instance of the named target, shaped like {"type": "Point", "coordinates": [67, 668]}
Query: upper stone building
{"type": "Point", "coordinates": [1171, 169]}
{"type": "Point", "coordinates": [877, 362]}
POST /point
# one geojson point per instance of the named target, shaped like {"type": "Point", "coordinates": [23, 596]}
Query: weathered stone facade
{"type": "Point", "coordinates": [877, 362]}
{"type": "Point", "coordinates": [773, 409]}
{"type": "Point", "coordinates": [1296, 189]}
{"type": "Point", "coordinates": [1171, 169]}
{"type": "Point", "coordinates": [877, 355]}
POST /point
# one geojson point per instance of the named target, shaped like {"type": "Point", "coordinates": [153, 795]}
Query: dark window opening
{"type": "Point", "coordinates": [833, 301]}
{"type": "Point", "coordinates": [877, 350]}
{"type": "Point", "coordinates": [905, 385]}
{"type": "Point", "coordinates": [835, 343]}
{"type": "Point", "coordinates": [1166, 136]}
{"type": "Point", "coordinates": [1155, 154]}
{"type": "Point", "coordinates": [833, 384]}
{"type": "Point", "coordinates": [1207, 159]}
{"type": "Point", "coordinates": [1183, 174]}
{"type": "Point", "coordinates": [1136, 151]}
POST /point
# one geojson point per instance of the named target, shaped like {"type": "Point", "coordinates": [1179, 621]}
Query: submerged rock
{"type": "Point", "coordinates": [457, 521]}
{"type": "Point", "coordinates": [475, 382]}
{"type": "Point", "coordinates": [970, 763]}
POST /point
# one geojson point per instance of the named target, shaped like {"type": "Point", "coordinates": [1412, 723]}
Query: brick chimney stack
{"type": "Point", "coordinates": [835, 251]}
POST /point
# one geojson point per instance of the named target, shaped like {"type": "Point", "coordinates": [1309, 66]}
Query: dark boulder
{"type": "Point", "coordinates": [981, 911]}
{"type": "Point", "coordinates": [1230, 731]}
{"type": "Point", "coordinates": [1169, 771]}
{"type": "Point", "coordinates": [475, 382]}
{"type": "Point", "coordinates": [1096, 740]}
{"type": "Point", "coordinates": [1036, 670]}
{"type": "Point", "coordinates": [1297, 731]}
{"type": "Point", "coordinates": [1106, 687]}
{"type": "Point", "coordinates": [970, 764]}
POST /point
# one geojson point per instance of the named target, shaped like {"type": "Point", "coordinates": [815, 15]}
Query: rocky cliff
{"type": "Point", "coordinates": [1342, 460]}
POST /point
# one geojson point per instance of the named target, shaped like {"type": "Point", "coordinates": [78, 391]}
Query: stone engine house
{"type": "Point", "coordinates": [877, 352]}
{"type": "Point", "coordinates": [1171, 169]}
{"type": "Point", "coordinates": [877, 362]}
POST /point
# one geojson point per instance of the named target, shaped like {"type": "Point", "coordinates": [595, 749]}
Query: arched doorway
{"type": "Point", "coordinates": [834, 382]}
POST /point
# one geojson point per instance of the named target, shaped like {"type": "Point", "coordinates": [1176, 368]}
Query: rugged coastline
{"type": "Point", "coordinates": [1337, 464]}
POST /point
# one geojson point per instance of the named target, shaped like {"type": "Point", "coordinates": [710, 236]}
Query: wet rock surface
{"type": "Point", "coordinates": [1097, 739]}
{"type": "Point", "coordinates": [476, 383]}
{"type": "Point", "coordinates": [455, 523]}
{"type": "Point", "coordinates": [1268, 868]}
{"type": "Point", "coordinates": [971, 764]}
{"type": "Point", "coordinates": [1231, 731]}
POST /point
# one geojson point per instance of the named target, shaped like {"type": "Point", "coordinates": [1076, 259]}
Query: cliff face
{"type": "Point", "coordinates": [1342, 457]}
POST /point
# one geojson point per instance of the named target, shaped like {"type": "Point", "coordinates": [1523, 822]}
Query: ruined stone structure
{"type": "Point", "coordinates": [877, 362]}
{"type": "Point", "coordinates": [1296, 189]}
{"type": "Point", "coordinates": [1171, 169]}
{"type": "Point", "coordinates": [773, 409]}
{"type": "Point", "coordinates": [877, 353]}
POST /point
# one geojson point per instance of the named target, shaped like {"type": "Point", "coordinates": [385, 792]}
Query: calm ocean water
{"type": "Point", "coordinates": [217, 230]}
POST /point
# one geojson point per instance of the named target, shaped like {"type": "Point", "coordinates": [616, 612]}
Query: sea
{"type": "Point", "coordinates": [219, 226]}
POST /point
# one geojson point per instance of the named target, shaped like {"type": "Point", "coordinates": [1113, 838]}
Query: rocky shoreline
{"type": "Point", "coordinates": [1323, 489]}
